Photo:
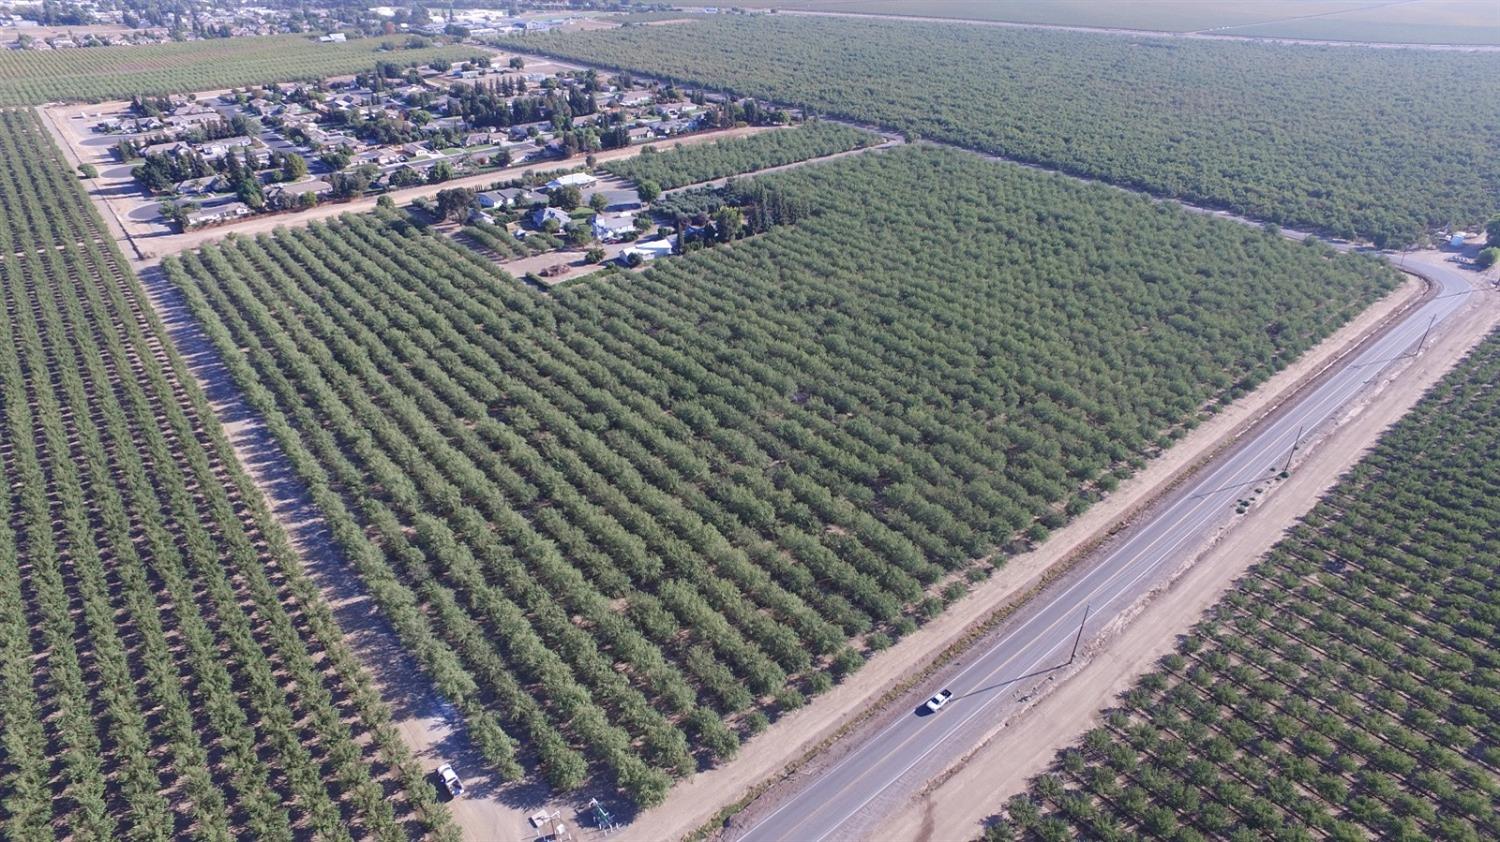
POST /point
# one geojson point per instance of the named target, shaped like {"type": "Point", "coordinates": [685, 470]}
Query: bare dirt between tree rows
{"type": "Point", "coordinates": [429, 726]}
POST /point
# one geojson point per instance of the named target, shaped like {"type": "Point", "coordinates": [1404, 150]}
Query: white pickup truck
{"type": "Point", "coordinates": [450, 780]}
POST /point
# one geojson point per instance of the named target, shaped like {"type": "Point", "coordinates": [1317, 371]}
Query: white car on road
{"type": "Point", "coordinates": [936, 703]}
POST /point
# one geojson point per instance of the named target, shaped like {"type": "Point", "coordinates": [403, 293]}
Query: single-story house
{"type": "Point", "coordinates": [416, 168]}
{"type": "Point", "coordinates": [217, 213]}
{"type": "Point", "coordinates": [572, 179]}
{"type": "Point", "coordinates": [649, 250]}
{"type": "Point", "coordinates": [667, 128]}
{"type": "Point", "coordinates": [219, 148]}
{"type": "Point", "coordinates": [511, 197]}
{"type": "Point", "coordinates": [540, 216]}
{"type": "Point", "coordinates": [614, 227]}
{"type": "Point", "coordinates": [194, 109]}
{"type": "Point", "coordinates": [634, 98]}
{"type": "Point", "coordinates": [315, 186]}
{"type": "Point", "coordinates": [380, 157]}
{"type": "Point", "coordinates": [522, 152]}
{"type": "Point", "coordinates": [199, 186]}
{"type": "Point", "coordinates": [456, 124]}
{"type": "Point", "coordinates": [524, 130]}
{"type": "Point", "coordinates": [172, 147]}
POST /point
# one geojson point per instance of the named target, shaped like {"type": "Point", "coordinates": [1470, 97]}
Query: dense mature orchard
{"type": "Point", "coordinates": [30, 77]}
{"type": "Point", "coordinates": [708, 161]}
{"type": "Point", "coordinates": [500, 244]}
{"type": "Point", "coordinates": [1365, 142]}
{"type": "Point", "coordinates": [1410, 21]}
{"type": "Point", "coordinates": [1166, 15]}
{"type": "Point", "coordinates": [1347, 688]}
{"type": "Point", "coordinates": [166, 670]}
{"type": "Point", "coordinates": [618, 520]}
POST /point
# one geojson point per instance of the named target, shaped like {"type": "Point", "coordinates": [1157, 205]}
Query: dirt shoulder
{"type": "Point", "coordinates": [956, 805]}
{"type": "Point", "coordinates": [777, 753]}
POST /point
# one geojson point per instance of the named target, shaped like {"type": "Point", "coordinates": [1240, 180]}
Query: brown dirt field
{"type": "Point", "coordinates": [955, 807]}
{"type": "Point", "coordinates": [697, 800]}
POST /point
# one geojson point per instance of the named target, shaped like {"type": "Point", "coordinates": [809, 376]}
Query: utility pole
{"type": "Point", "coordinates": [1079, 638]}
{"type": "Point", "coordinates": [1423, 340]}
{"type": "Point", "coordinates": [1289, 453]}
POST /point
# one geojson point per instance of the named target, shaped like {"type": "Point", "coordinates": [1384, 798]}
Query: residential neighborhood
{"type": "Point", "coordinates": [209, 159]}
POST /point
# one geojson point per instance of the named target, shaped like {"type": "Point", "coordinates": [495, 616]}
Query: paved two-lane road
{"type": "Point", "coordinates": [848, 800]}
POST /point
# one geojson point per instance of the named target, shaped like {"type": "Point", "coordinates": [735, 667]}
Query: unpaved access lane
{"type": "Point", "coordinates": [431, 728]}
{"type": "Point", "coordinates": [890, 139]}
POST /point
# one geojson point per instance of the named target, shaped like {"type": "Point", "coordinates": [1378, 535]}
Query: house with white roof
{"type": "Point", "coordinates": [572, 179]}
{"type": "Point", "coordinates": [649, 250]}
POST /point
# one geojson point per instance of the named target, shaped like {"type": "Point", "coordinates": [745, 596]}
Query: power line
{"type": "Point", "coordinates": [1079, 638]}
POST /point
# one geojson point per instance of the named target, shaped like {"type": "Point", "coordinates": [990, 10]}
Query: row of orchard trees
{"type": "Point", "coordinates": [1349, 687]}
{"type": "Point", "coordinates": [706, 162]}
{"type": "Point", "coordinates": [31, 77]}
{"type": "Point", "coordinates": [162, 653]}
{"type": "Point", "coordinates": [620, 522]}
{"type": "Point", "coordinates": [1252, 127]}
